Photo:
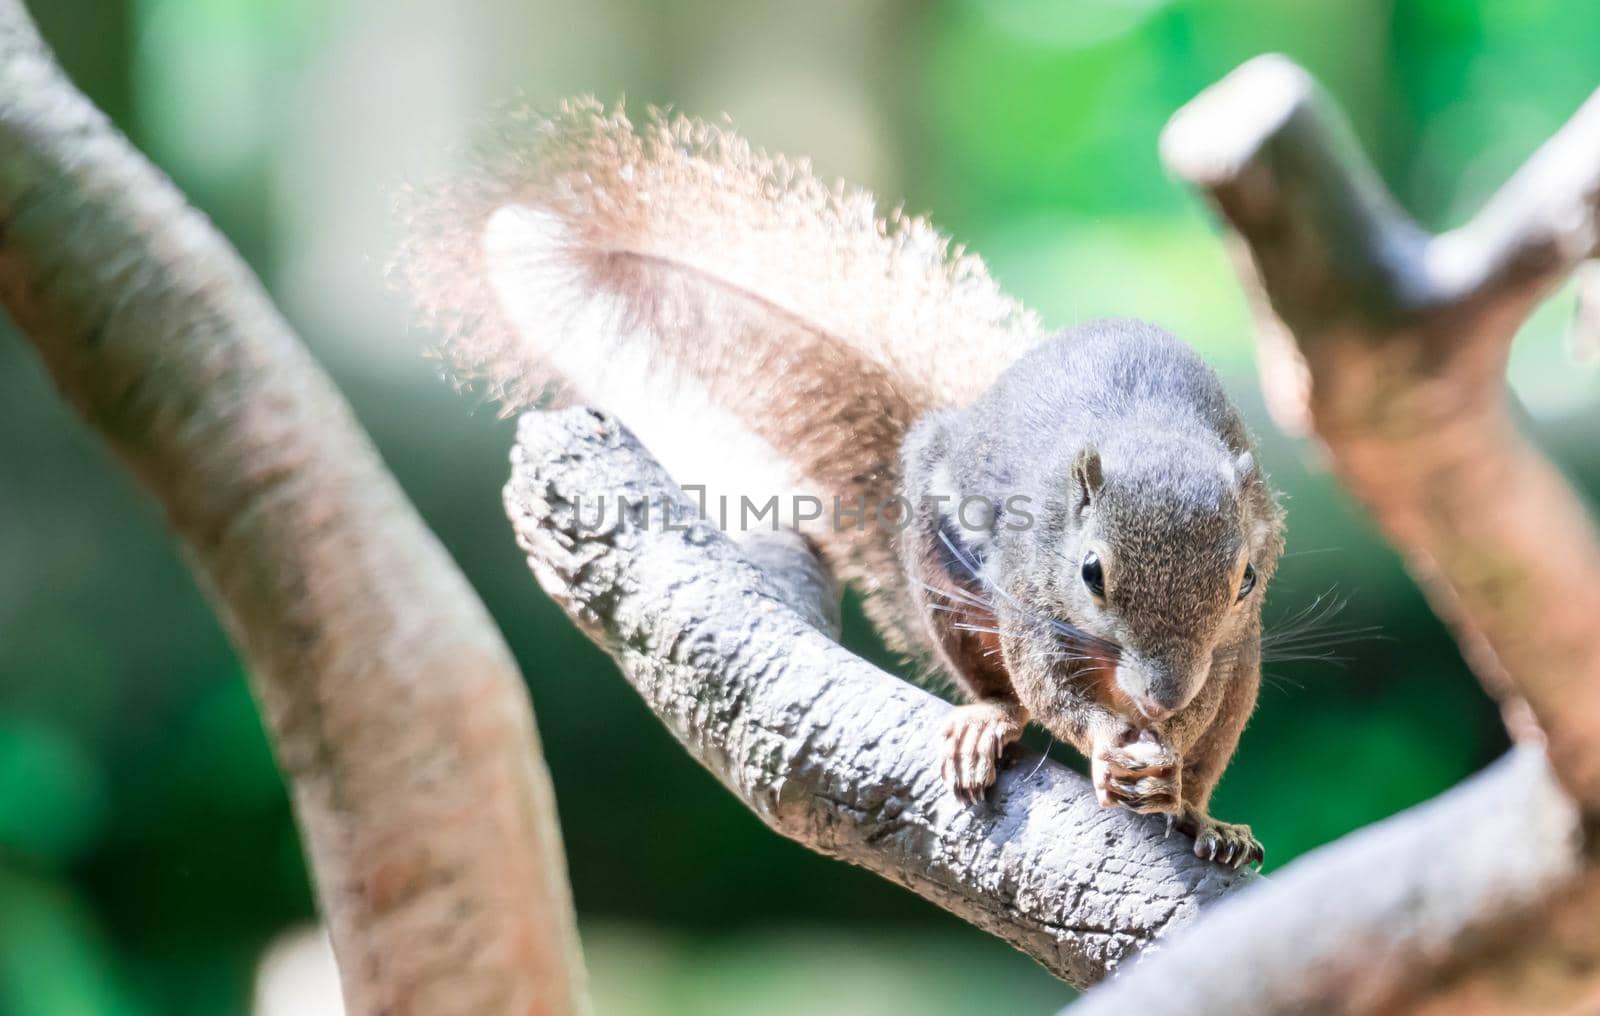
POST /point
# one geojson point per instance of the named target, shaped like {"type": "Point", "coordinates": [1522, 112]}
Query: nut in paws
{"type": "Point", "coordinates": [1139, 772]}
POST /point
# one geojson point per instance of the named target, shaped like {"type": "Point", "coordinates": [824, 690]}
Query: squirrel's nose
{"type": "Point", "coordinates": [1156, 686]}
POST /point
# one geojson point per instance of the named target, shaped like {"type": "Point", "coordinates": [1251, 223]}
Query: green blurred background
{"type": "Point", "coordinates": [147, 855]}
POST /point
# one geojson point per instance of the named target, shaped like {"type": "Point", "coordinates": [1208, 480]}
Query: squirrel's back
{"type": "Point", "coordinates": [1104, 377]}
{"type": "Point", "coordinates": [1126, 388]}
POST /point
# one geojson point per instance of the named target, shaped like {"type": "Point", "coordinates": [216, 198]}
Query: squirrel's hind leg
{"type": "Point", "coordinates": [1228, 843]}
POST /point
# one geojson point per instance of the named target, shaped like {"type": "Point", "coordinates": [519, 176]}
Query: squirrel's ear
{"type": "Point", "coordinates": [1244, 468]}
{"type": "Point", "coordinates": [1087, 476]}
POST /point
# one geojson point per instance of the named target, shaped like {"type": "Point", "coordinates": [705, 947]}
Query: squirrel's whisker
{"type": "Point", "coordinates": [1305, 635]}
{"type": "Point", "coordinates": [982, 629]}
{"type": "Point", "coordinates": [1043, 758]}
{"type": "Point", "coordinates": [959, 595]}
{"type": "Point", "coordinates": [605, 261]}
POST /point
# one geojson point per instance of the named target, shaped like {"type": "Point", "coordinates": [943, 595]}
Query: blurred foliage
{"type": "Point", "coordinates": [147, 854]}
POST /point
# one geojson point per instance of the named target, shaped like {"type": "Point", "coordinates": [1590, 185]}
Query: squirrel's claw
{"type": "Point", "coordinates": [975, 737]}
{"type": "Point", "coordinates": [1227, 843]}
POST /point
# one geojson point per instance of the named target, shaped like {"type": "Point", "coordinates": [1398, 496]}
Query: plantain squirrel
{"type": "Point", "coordinates": [1085, 536]}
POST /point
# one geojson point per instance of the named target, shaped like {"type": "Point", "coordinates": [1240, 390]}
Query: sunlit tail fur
{"type": "Point", "coordinates": [762, 332]}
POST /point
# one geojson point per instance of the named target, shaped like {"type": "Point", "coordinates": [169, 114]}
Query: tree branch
{"type": "Point", "coordinates": [1390, 345]}
{"type": "Point", "coordinates": [827, 749]}
{"type": "Point", "coordinates": [396, 710]}
{"type": "Point", "coordinates": [1425, 908]}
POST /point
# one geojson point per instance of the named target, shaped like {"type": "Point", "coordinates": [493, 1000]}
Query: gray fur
{"type": "Point", "coordinates": [1116, 438]}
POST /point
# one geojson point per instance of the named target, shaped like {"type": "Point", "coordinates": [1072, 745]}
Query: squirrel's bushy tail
{"type": "Point", "coordinates": [763, 333]}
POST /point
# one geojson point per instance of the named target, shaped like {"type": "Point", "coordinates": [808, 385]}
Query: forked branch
{"type": "Point", "coordinates": [1390, 345]}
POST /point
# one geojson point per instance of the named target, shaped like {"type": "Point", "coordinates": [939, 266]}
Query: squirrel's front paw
{"type": "Point", "coordinates": [974, 737]}
{"type": "Point", "coordinates": [1138, 771]}
{"type": "Point", "coordinates": [1227, 843]}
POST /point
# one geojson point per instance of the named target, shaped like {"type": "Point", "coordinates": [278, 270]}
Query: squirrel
{"type": "Point", "coordinates": [1085, 536]}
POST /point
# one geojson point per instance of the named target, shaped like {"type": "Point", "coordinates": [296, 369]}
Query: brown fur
{"type": "Point", "coordinates": [826, 328]}
{"type": "Point", "coordinates": [823, 334]}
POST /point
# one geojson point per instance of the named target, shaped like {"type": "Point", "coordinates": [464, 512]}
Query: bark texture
{"type": "Point", "coordinates": [825, 748]}
{"type": "Point", "coordinates": [1443, 908]}
{"type": "Point", "coordinates": [1389, 344]}
{"type": "Point", "coordinates": [396, 711]}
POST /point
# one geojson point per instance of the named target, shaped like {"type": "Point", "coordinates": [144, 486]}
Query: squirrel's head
{"type": "Point", "coordinates": [1156, 552]}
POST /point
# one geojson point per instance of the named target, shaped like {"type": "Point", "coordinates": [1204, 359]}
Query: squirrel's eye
{"type": "Point", "coordinates": [1092, 576]}
{"type": "Point", "coordinates": [1248, 582]}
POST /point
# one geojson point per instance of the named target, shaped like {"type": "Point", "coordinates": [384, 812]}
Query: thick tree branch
{"type": "Point", "coordinates": [1390, 345]}
{"type": "Point", "coordinates": [825, 748]}
{"type": "Point", "coordinates": [395, 708]}
{"type": "Point", "coordinates": [1387, 918]}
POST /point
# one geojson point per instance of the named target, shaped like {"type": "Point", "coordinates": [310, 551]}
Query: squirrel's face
{"type": "Point", "coordinates": [1160, 557]}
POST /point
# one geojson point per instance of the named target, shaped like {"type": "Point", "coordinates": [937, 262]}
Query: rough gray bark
{"type": "Point", "coordinates": [825, 748]}
{"type": "Point", "coordinates": [396, 711]}
{"type": "Point", "coordinates": [1364, 924]}
{"type": "Point", "coordinates": [1390, 344]}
